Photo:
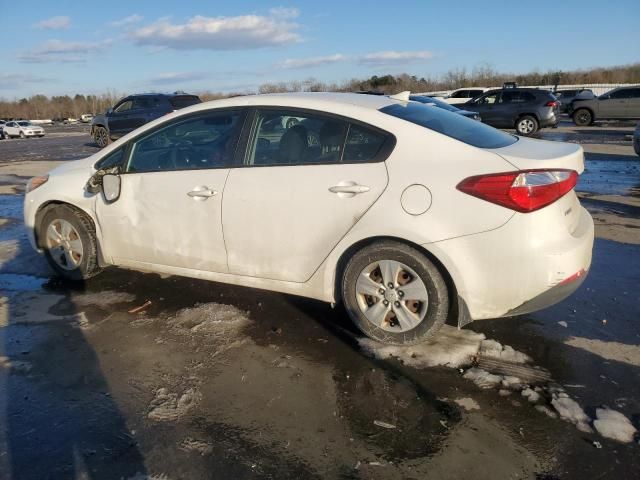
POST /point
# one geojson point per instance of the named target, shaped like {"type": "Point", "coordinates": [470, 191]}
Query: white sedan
{"type": "Point", "coordinates": [407, 214]}
{"type": "Point", "coordinates": [22, 129]}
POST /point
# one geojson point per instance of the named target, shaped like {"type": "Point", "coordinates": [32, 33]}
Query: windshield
{"type": "Point", "coordinates": [24, 124]}
{"type": "Point", "coordinates": [433, 101]}
{"type": "Point", "coordinates": [450, 124]}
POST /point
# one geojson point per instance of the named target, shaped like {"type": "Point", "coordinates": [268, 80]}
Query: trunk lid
{"type": "Point", "coordinates": [528, 153]}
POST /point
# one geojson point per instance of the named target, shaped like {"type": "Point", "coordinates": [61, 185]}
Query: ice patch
{"type": "Point", "coordinates": [169, 407]}
{"type": "Point", "coordinates": [14, 365]}
{"type": "Point", "coordinates": [212, 319]}
{"type": "Point", "coordinates": [531, 395]}
{"type": "Point", "coordinates": [105, 299]}
{"type": "Point", "coordinates": [614, 425]}
{"type": "Point", "coordinates": [493, 349]}
{"type": "Point", "coordinates": [619, 352]}
{"type": "Point", "coordinates": [198, 446]}
{"type": "Point", "coordinates": [20, 283]}
{"type": "Point", "coordinates": [569, 410]}
{"type": "Point", "coordinates": [482, 378]}
{"type": "Point", "coordinates": [449, 347]}
{"type": "Point", "coordinates": [546, 410]}
{"type": "Point", "coordinates": [467, 403]}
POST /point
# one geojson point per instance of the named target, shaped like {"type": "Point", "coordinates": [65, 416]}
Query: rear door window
{"type": "Point", "coordinates": [451, 124]}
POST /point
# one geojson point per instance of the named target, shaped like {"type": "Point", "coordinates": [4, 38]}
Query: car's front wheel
{"type": "Point", "coordinates": [527, 125]}
{"type": "Point", "coordinates": [69, 241]}
{"type": "Point", "coordinates": [21, 134]}
{"type": "Point", "coordinates": [101, 137]}
{"type": "Point", "coordinates": [394, 293]}
{"type": "Point", "coordinates": [582, 117]}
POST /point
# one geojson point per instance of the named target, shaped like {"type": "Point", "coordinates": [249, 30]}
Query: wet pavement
{"type": "Point", "coordinates": [214, 381]}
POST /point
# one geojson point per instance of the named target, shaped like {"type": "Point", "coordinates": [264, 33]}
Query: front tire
{"type": "Point", "coordinates": [101, 137]}
{"type": "Point", "coordinates": [582, 117]}
{"type": "Point", "coordinates": [394, 294]}
{"type": "Point", "coordinates": [68, 238]}
{"type": "Point", "coordinates": [527, 125]}
{"type": "Point", "coordinates": [21, 134]}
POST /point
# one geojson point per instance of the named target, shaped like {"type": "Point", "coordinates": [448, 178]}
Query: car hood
{"type": "Point", "coordinates": [98, 119]}
{"type": "Point", "coordinates": [466, 112]}
{"type": "Point", "coordinates": [528, 153]}
{"type": "Point", "coordinates": [83, 164]}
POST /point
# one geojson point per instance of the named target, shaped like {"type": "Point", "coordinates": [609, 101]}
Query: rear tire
{"type": "Point", "coordinates": [582, 117]}
{"type": "Point", "coordinates": [419, 293]}
{"type": "Point", "coordinates": [68, 238]}
{"type": "Point", "coordinates": [101, 137]}
{"type": "Point", "coordinates": [527, 125]}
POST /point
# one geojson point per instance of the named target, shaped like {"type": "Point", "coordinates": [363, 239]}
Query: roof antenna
{"type": "Point", "coordinates": [402, 96]}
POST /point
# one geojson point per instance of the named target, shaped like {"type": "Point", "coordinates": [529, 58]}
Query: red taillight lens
{"type": "Point", "coordinates": [524, 191]}
{"type": "Point", "coordinates": [551, 103]}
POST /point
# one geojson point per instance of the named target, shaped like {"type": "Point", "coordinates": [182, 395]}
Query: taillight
{"type": "Point", "coordinates": [552, 103]}
{"type": "Point", "coordinates": [524, 191]}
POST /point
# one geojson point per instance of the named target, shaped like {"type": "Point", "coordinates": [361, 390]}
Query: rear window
{"type": "Point", "coordinates": [451, 124]}
{"type": "Point", "coordinates": [184, 101]}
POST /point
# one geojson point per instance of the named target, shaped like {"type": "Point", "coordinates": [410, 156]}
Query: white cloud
{"type": "Point", "coordinates": [9, 81]}
{"type": "Point", "coordinates": [54, 23]}
{"type": "Point", "coordinates": [171, 78]}
{"type": "Point", "coordinates": [374, 59]}
{"type": "Point", "coordinates": [126, 21]}
{"type": "Point", "coordinates": [394, 57]}
{"type": "Point", "coordinates": [61, 51]}
{"type": "Point", "coordinates": [220, 33]}
{"type": "Point", "coordinates": [313, 61]}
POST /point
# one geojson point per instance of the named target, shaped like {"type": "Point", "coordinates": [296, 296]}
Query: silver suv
{"type": "Point", "coordinates": [619, 103]}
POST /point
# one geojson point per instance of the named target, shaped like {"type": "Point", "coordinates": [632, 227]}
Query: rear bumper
{"type": "Point", "coordinates": [523, 266]}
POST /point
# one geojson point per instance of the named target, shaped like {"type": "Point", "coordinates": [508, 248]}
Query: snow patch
{"type": "Point", "coordinates": [614, 425]}
{"type": "Point", "coordinates": [104, 299]}
{"type": "Point", "coordinates": [169, 407]}
{"type": "Point", "coordinates": [21, 283]}
{"type": "Point", "coordinates": [482, 378]}
{"type": "Point", "coordinates": [214, 319]}
{"type": "Point", "coordinates": [494, 349]}
{"type": "Point", "coordinates": [198, 446]}
{"type": "Point", "coordinates": [467, 403]}
{"type": "Point", "coordinates": [569, 410]}
{"type": "Point", "coordinates": [450, 347]}
{"type": "Point", "coordinates": [14, 365]}
{"type": "Point", "coordinates": [530, 395]}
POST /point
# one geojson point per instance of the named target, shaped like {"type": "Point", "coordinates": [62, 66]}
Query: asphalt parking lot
{"type": "Point", "coordinates": [135, 375]}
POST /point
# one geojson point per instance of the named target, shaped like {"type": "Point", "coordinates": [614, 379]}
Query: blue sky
{"type": "Point", "coordinates": [67, 47]}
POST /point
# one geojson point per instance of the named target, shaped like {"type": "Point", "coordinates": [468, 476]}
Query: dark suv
{"type": "Point", "coordinates": [525, 109]}
{"type": "Point", "coordinates": [134, 111]}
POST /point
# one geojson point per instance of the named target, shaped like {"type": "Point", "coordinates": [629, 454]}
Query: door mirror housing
{"type": "Point", "coordinates": [109, 111]}
{"type": "Point", "coordinates": [110, 187]}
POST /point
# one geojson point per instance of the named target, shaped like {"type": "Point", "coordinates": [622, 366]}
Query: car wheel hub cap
{"type": "Point", "coordinates": [64, 244]}
{"type": "Point", "coordinates": [392, 296]}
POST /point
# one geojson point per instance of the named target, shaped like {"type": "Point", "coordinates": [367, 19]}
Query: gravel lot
{"type": "Point", "coordinates": [214, 381]}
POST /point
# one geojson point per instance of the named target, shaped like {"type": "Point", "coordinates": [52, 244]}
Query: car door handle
{"type": "Point", "coordinates": [202, 193]}
{"type": "Point", "coordinates": [354, 189]}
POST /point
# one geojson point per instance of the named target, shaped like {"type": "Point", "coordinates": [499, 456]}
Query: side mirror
{"type": "Point", "coordinates": [110, 187]}
{"type": "Point", "coordinates": [109, 111]}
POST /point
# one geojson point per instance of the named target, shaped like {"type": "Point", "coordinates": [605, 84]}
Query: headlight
{"type": "Point", "coordinates": [36, 182]}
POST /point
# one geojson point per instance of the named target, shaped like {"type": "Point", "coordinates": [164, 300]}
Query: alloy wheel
{"type": "Point", "coordinates": [392, 296]}
{"type": "Point", "coordinates": [64, 244]}
{"type": "Point", "coordinates": [526, 126]}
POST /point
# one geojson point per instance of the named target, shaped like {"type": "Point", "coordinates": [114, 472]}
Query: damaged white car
{"type": "Point", "coordinates": [407, 214]}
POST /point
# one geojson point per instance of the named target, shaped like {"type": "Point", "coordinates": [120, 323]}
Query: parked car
{"type": "Point", "coordinates": [525, 109]}
{"type": "Point", "coordinates": [566, 96]}
{"type": "Point", "coordinates": [463, 95]}
{"type": "Point", "coordinates": [436, 102]}
{"type": "Point", "coordinates": [2, 122]}
{"type": "Point", "coordinates": [636, 139]}
{"type": "Point", "coordinates": [134, 111]}
{"type": "Point", "coordinates": [404, 212]}
{"type": "Point", "coordinates": [86, 117]}
{"type": "Point", "coordinates": [22, 129]}
{"type": "Point", "coordinates": [70, 121]}
{"type": "Point", "coordinates": [619, 103]}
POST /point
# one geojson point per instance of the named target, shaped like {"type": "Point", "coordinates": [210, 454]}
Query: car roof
{"type": "Point", "coordinates": [149, 94]}
{"type": "Point", "coordinates": [311, 100]}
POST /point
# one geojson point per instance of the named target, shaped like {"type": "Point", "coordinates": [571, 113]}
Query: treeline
{"type": "Point", "coordinates": [41, 106]}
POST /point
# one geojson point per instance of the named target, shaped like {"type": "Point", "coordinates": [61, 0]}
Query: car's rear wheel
{"type": "Point", "coordinates": [526, 125]}
{"type": "Point", "coordinates": [69, 240]}
{"type": "Point", "coordinates": [394, 293]}
{"type": "Point", "coordinates": [582, 117]}
{"type": "Point", "coordinates": [101, 137]}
